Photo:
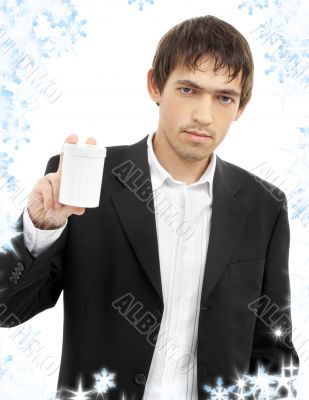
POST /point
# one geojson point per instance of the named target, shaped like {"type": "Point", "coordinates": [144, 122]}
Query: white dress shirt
{"type": "Point", "coordinates": [37, 240]}
{"type": "Point", "coordinates": [183, 215]}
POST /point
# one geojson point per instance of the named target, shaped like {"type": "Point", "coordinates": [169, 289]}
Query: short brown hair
{"type": "Point", "coordinates": [187, 42]}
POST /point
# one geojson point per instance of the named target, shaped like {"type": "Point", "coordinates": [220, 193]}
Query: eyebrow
{"type": "Point", "coordinates": [187, 82]}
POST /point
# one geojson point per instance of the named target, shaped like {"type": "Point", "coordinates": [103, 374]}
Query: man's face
{"type": "Point", "coordinates": [183, 107]}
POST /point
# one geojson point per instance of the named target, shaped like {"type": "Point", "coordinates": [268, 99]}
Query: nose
{"type": "Point", "coordinates": [203, 110]}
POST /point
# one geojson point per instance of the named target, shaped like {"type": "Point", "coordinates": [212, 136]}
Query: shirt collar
{"type": "Point", "coordinates": [160, 174]}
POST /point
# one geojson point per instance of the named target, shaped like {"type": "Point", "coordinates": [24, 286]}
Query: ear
{"type": "Point", "coordinates": [152, 88]}
{"type": "Point", "coordinates": [239, 112]}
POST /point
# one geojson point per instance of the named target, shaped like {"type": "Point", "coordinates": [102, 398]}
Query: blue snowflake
{"type": "Point", "coordinates": [30, 31]}
{"type": "Point", "coordinates": [105, 381]}
{"type": "Point", "coordinates": [5, 160]}
{"type": "Point", "coordinates": [219, 391]}
{"type": "Point", "coordinates": [59, 15]}
{"type": "Point", "coordinates": [3, 365]}
{"type": "Point", "coordinates": [285, 32]}
{"type": "Point", "coordinates": [300, 208]}
{"type": "Point", "coordinates": [141, 3]}
{"type": "Point", "coordinates": [252, 4]}
{"type": "Point", "coordinates": [262, 386]}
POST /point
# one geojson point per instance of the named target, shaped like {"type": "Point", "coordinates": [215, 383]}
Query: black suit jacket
{"type": "Point", "coordinates": [107, 264]}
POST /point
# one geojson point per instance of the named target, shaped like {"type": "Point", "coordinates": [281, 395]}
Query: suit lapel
{"type": "Point", "coordinates": [138, 219]}
{"type": "Point", "coordinates": [136, 215]}
{"type": "Point", "coordinates": [228, 217]}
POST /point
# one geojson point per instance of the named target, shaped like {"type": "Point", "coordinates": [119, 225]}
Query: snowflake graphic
{"type": "Point", "coordinates": [298, 172]}
{"type": "Point", "coordinates": [30, 31]}
{"type": "Point", "coordinates": [141, 3]}
{"type": "Point", "coordinates": [7, 231]}
{"type": "Point", "coordinates": [80, 394]}
{"type": "Point", "coordinates": [104, 381]}
{"type": "Point", "coordinates": [284, 31]}
{"type": "Point", "coordinates": [4, 364]}
{"type": "Point", "coordinates": [18, 381]}
{"type": "Point", "coordinates": [219, 392]}
{"type": "Point", "coordinates": [262, 386]}
{"type": "Point", "coordinates": [253, 4]}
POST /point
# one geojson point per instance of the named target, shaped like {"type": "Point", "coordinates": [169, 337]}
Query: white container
{"type": "Point", "coordinates": [81, 175]}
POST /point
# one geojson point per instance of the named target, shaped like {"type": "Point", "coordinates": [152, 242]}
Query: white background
{"type": "Point", "coordinates": [103, 80]}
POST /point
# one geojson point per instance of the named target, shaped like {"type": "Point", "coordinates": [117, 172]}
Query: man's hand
{"type": "Point", "coordinates": [43, 204]}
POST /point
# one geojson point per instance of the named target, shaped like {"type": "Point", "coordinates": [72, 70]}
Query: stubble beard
{"type": "Point", "coordinates": [191, 152]}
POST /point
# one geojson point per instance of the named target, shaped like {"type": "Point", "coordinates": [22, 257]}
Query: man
{"type": "Point", "coordinates": [166, 297]}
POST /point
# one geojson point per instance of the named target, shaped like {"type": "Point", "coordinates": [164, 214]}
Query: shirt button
{"type": "Point", "coordinates": [29, 236]}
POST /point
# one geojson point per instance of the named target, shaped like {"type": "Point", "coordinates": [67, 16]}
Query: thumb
{"type": "Point", "coordinates": [69, 139]}
{"type": "Point", "coordinates": [91, 140]}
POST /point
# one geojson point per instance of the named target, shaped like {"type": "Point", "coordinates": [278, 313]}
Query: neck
{"type": "Point", "coordinates": [188, 171]}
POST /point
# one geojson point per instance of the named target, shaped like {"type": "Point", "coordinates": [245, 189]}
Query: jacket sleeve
{"type": "Point", "coordinates": [28, 284]}
{"type": "Point", "coordinates": [272, 309]}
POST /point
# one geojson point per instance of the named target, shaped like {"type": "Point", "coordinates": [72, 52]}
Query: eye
{"type": "Point", "coordinates": [226, 99]}
{"type": "Point", "coordinates": [186, 89]}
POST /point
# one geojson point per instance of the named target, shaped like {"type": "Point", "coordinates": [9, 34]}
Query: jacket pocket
{"type": "Point", "coordinates": [246, 269]}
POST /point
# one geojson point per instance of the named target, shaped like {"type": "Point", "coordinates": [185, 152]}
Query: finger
{"type": "Point", "coordinates": [91, 140]}
{"type": "Point", "coordinates": [47, 193]}
{"type": "Point", "coordinates": [69, 210]}
{"type": "Point", "coordinates": [78, 210]}
{"type": "Point", "coordinates": [55, 183]}
{"type": "Point", "coordinates": [69, 139]}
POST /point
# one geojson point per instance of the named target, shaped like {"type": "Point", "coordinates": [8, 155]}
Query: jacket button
{"type": "Point", "coordinates": [140, 379]}
{"type": "Point", "coordinates": [13, 279]}
{"type": "Point", "coordinates": [20, 265]}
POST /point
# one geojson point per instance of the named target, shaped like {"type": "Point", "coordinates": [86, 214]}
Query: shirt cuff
{"type": "Point", "coordinates": [37, 240]}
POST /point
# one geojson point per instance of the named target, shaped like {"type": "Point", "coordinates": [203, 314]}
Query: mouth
{"type": "Point", "coordinates": [198, 136]}
{"type": "Point", "coordinates": [197, 133]}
